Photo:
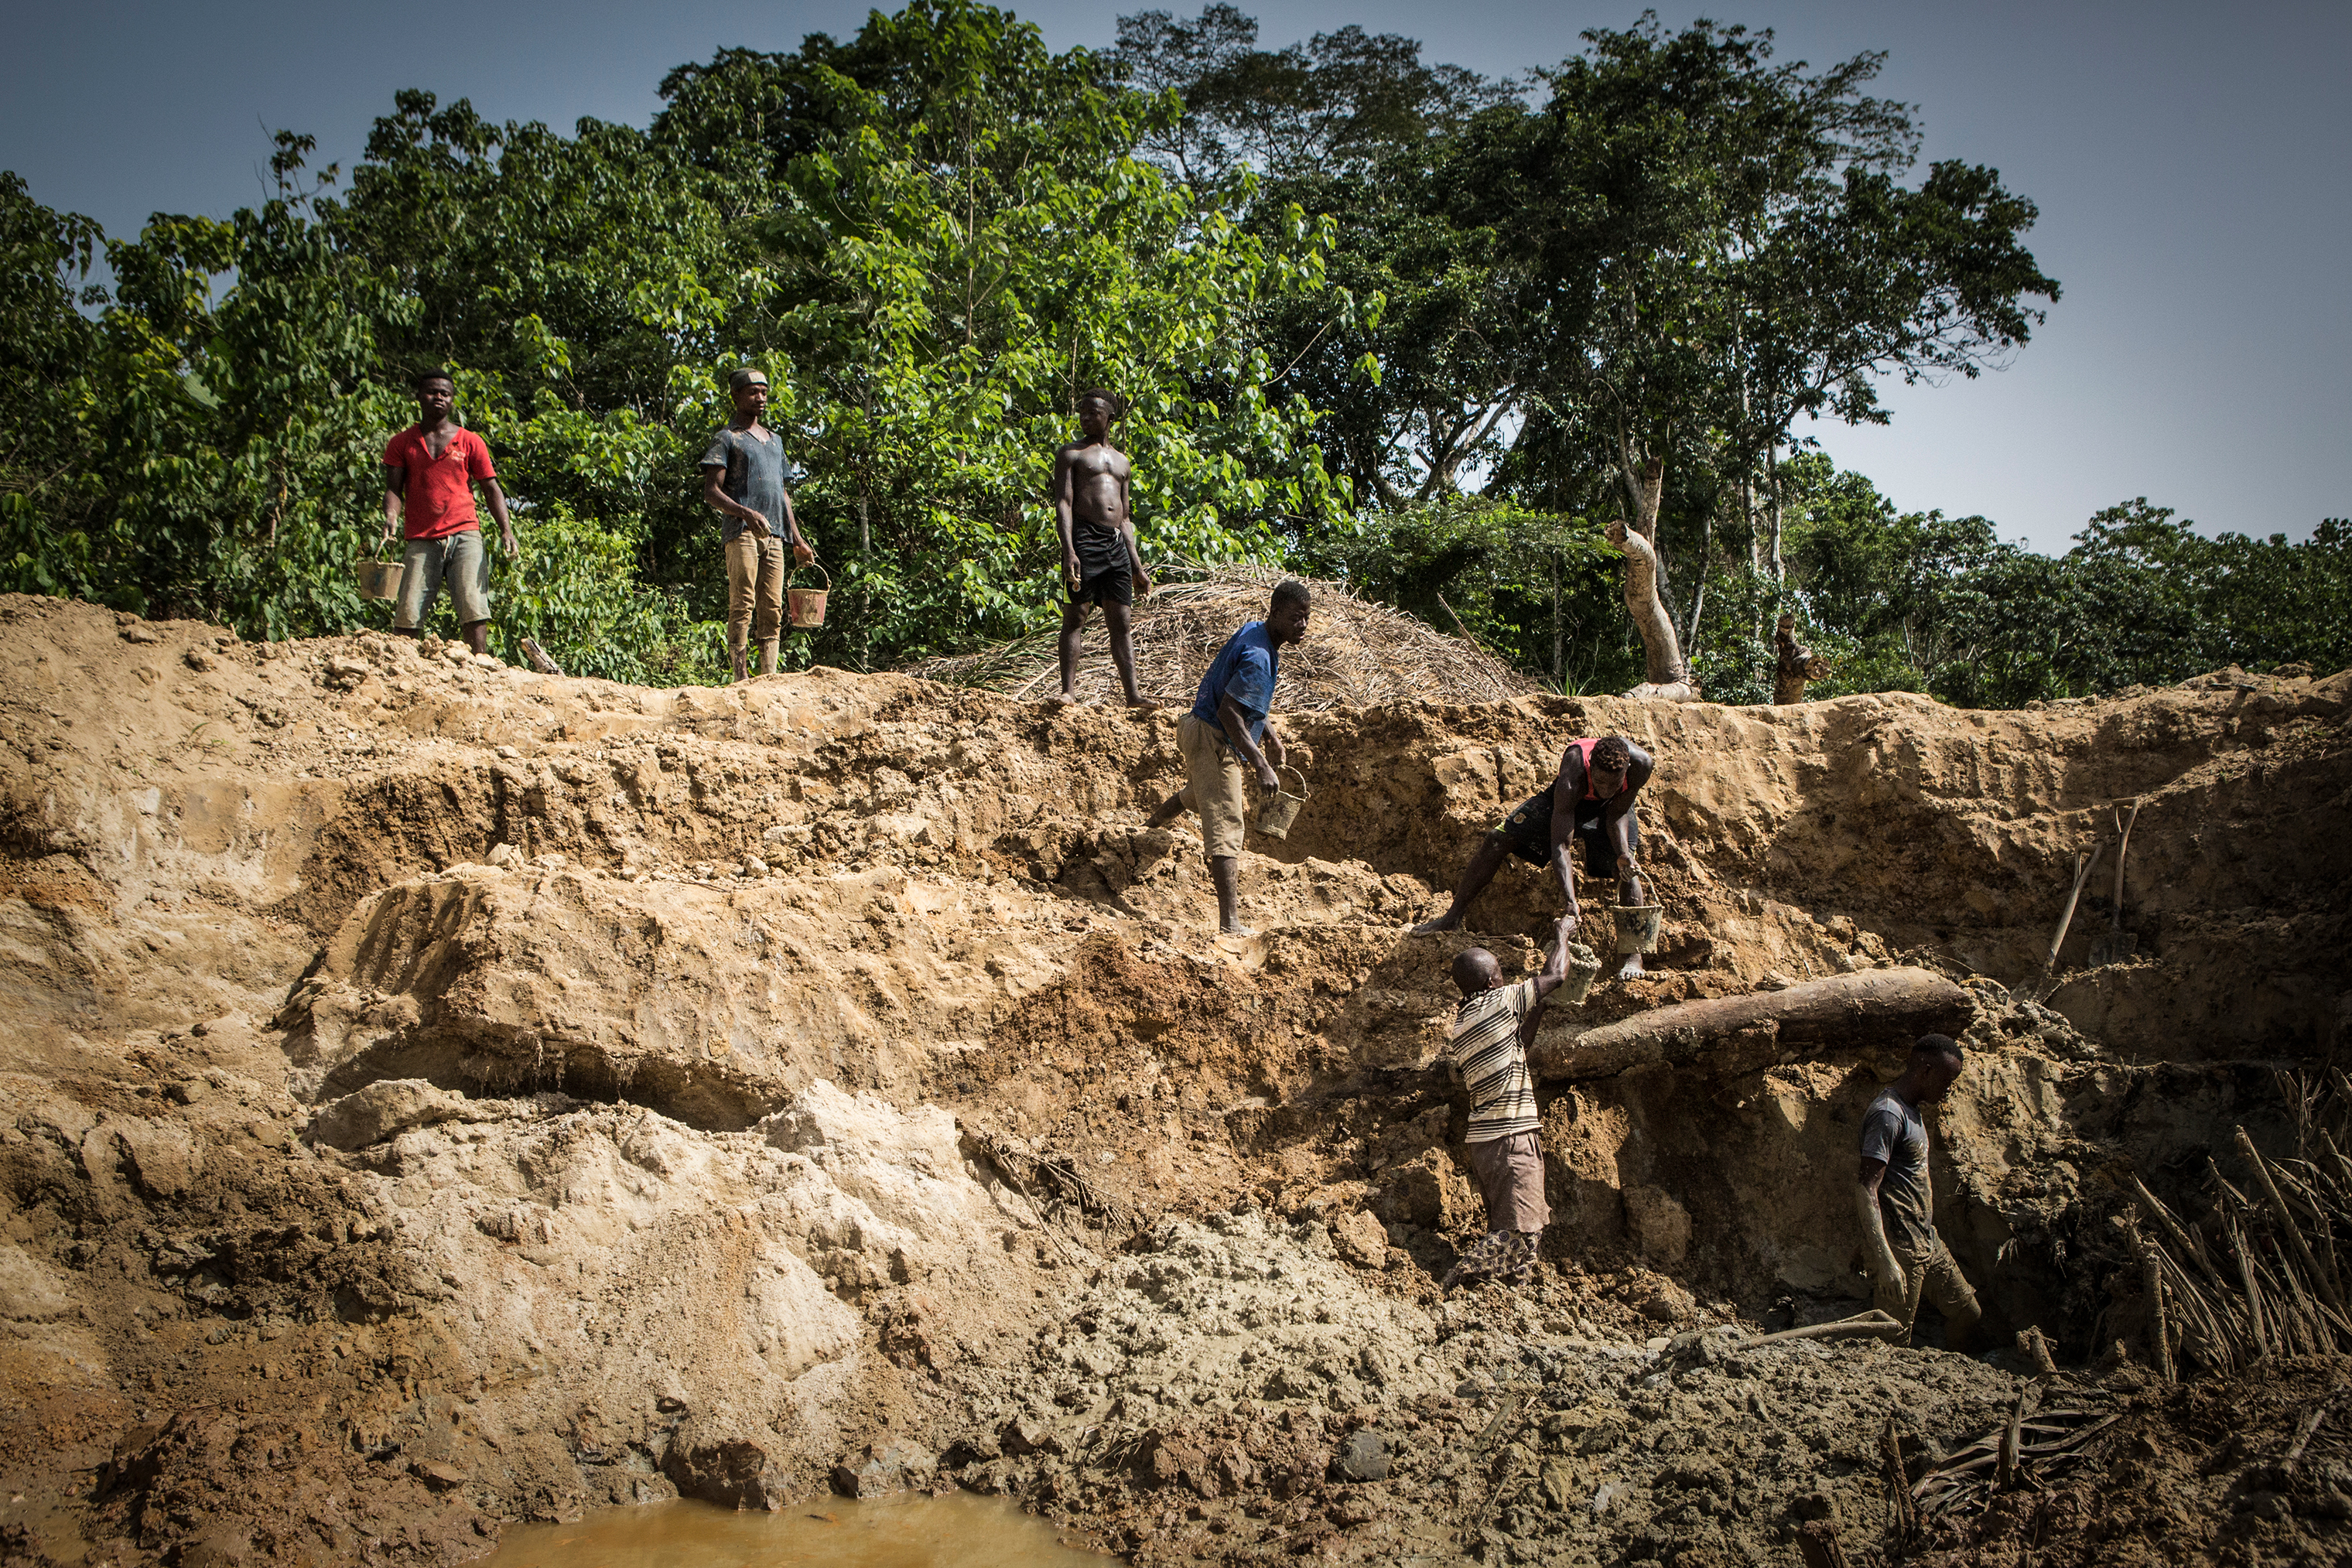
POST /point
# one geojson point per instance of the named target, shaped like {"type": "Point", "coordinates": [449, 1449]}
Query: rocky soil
{"type": "Point", "coordinates": [445, 1095]}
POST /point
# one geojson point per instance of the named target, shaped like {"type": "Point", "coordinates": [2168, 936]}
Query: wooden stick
{"type": "Point", "coordinates": [2321, 1283]}
{"type": "Point", "coordinates": [2303, 1433]}
{"type": "Point", "coordinates": [2122, 844]}
{"type": "Point", "coordinates": [2082, 869]}
{"type": "Point", "coordinates": [1873, 1322]}
{"type": "Point", "coordinates": [2254, 1292]}
{"type": "Point", "coordinates": [1899, 1485]}
{"type": "Point", "coordinates": [2155, 1273]}
{"type": "Point", "coordinates": [2027, 1398]}
{"type": "Point", "coordinates": [2190, 1248]}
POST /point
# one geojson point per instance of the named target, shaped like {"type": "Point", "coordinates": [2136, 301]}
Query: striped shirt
{"type": "Point", "coordinates": [1485, 1044]}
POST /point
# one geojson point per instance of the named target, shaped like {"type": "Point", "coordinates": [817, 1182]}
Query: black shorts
{"type": "Point", "coordinates": [1528, 833]}
{"type": "Point", "coordinates": [1104, 575]}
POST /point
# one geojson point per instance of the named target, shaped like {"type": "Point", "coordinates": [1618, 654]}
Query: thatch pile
{"type": "Point", "coordinates": [2264, 1274]}
{"type": "Point", "coordinates": [1356, 654]}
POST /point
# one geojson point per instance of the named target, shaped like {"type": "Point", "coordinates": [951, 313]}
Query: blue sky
{"type": "Point", "coordinates": [2193, 165]}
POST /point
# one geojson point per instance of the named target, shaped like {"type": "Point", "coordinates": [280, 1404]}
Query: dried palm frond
{"type": "Point", "coordinates": [2262, 1273]}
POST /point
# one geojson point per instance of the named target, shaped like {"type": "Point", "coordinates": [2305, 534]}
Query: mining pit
{"type": "Point", "coordinates": [448, 1098]}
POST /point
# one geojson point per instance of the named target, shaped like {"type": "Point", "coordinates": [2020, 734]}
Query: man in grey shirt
{"type": "Point", "coordinates": [744, 480]}
{"type": "Point", "coordinates": [1896, 1202]}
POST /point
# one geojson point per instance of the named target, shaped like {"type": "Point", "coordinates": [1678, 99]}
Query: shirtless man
{"type": "Point", "coordinates": [1100, 563]}
{"type": "Point", "coordinates": [1592, 799]}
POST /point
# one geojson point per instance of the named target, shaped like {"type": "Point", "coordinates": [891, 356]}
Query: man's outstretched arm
{"type": "Point", "coordinates": [1617, 817]}
{"type": "Point", "coordinates": [1883, 1268]}
{"type": "Point", "coordinates": [1567, 789]}
{"type": "Point", "coordinates": [1230, 719]}
{"type": "Point", "coordinates": [1554, 974]}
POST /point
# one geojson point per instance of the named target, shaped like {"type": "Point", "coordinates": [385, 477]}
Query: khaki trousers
{"type": "Point", "coordinates": [755, 594]}
{"type": "Point", "coordinates": [1216, 785]}
{"type": "Point", "coordinates": [1933, 1276]}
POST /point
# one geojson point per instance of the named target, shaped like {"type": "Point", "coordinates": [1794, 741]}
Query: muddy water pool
{"type": "Point", "coordinates": [912, 1531]}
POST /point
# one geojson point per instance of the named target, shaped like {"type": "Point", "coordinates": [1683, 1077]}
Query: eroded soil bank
{"type": "Point", "coordinates": [445, 1096]}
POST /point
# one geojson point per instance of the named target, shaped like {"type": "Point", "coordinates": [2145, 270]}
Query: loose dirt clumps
{"type": "Point", "coordinates": [443, 1095]}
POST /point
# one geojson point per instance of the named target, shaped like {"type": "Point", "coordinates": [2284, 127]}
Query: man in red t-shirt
{"type": "Point", "coordinates": [429, 473]}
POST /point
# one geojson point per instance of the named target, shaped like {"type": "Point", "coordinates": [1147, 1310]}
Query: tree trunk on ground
{"type": "Point", "coordinates": [1726, 1036]}
{"type": "Point", "coordinates": [1667, 675]}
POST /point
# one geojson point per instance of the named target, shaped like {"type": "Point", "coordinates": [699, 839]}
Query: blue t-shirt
{"type": "Point", "coordinates": [1244, 669]}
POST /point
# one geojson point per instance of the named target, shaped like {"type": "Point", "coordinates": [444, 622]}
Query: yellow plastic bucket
{"type": "Point", "coordinates": [378, 579]}
{"type": "Point", "coordinates": [1282, 809]}
{"type": "Point", "coordinates": [806, 605]}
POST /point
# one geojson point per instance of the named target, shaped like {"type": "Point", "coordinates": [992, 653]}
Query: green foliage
{"type": "Point", "coordinates": [1925, 602]}
{"type": "Point", "coordinates": [1539, 590]}
{"type": "Point", "coordinates": [1325, 277]}
{"type": "Point", "coordinates": [935, 234]}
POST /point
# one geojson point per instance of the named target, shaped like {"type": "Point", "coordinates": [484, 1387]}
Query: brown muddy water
{"type": "Point", "coordinates": [960, 1530]}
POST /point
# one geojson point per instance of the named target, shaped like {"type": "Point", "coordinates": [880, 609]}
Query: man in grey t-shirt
{"type": "Point", "coordinates": [744, 480]}
{"type": "Point", "coordinates": [1896, 1202]}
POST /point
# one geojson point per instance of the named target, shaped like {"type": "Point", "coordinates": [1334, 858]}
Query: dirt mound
{"type": "Point", "coordinates": [1361, 654]}
{"type": "Point", "coordinates": [447, 1094]}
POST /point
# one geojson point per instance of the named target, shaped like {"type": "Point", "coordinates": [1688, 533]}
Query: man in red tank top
{"type": "Point", "coordinates": [1592, 800]}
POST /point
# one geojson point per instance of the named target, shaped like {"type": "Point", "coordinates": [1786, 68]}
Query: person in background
{"type": "Point", "coordinates": [744, 480]}
{"type": "Point", "coordinates": [1896, 1203]}
{"type": "Point", "coordinates": [430, 470]}
{"type": "Point", "coordinates": [1230, 726]}
{"type": "Point", "coordinates": [1101, 563]}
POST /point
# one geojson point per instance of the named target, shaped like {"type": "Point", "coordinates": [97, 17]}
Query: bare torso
{"type": "Point", "coordinates": [1098, 480]}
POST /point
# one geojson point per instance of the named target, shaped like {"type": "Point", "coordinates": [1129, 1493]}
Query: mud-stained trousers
{"type": "Point", "coordinates": [1932, 1276]}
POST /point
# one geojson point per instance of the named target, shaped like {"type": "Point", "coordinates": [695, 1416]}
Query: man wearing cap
{"type": "Point", "coordinates": [430, 470]}
{"type": "Point", "coordinates": [744, 480]}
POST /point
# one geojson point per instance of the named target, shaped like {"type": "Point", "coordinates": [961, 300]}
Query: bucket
{"type": "Point", "coordinates": [378, 579]}
{"type": "Point", "coordinates": [1637, 928]}
{"type": "Point", "coordinates": [1583, 963]}
{"type": "Point", "coordinates": [806, 605]}
{"type": "Point", "coordinates": [1282, 809]}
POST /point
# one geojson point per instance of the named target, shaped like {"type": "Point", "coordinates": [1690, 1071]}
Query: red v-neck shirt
{"type": "Point", "coordinates": [439, 496]}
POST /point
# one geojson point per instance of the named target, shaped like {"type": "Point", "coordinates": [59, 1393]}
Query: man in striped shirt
{"type": "Point", "coordinates": [1488, 1041]}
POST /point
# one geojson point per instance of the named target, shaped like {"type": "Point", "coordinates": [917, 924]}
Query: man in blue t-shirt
{"type": "Point", "coordinates": [1229, 727]}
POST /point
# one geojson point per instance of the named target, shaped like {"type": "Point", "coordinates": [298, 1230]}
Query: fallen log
{"type": "Point", "coordinates": [1730, 1035]}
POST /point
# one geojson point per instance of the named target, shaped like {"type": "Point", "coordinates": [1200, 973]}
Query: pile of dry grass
{"type": "Point", "coordinates": [1356, 654]}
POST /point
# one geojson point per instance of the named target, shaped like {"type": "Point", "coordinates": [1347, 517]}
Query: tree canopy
{"type": "Point", "coordinates": [1371, 315]}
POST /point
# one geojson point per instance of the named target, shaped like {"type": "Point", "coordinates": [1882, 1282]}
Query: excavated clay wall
{"type": "Point", "coordinates": [589, 1091]}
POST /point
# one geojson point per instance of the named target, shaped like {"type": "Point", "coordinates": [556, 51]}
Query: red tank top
{"type": "Point", "coordinates": [1584, 747]}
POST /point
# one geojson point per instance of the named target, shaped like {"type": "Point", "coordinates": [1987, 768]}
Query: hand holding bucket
{"type": "Point", "coordinates": [1282, 809]}
{"type": "Point", "coordinates": [378, 579]}
{"type": "Point", "coordinates": [806, 605]}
